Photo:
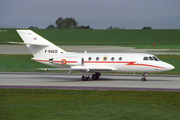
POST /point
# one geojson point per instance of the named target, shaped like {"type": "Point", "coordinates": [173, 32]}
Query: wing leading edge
{"type": "Point", "coordinates": [79, 69]}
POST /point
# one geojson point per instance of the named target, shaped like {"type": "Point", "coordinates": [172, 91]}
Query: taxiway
{"type": "Point", "coordinates": [22, 49]}
{"type": "Point", "coordinates": [105, 82]}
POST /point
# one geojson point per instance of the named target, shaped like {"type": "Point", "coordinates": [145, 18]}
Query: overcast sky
{"type": "Point", "coordinates": [99, 14]}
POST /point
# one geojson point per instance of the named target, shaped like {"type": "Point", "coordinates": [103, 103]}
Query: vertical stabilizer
{"type": "Point", "coordinates": [39, 46]}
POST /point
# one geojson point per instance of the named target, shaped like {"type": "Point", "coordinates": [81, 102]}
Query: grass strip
{"type": "Point", "coordinates": [165, 51]}
{"type": "Point", "coordinates": [19, 63]}
{"type": "Point", "coordinates": [28, 104]}
{"type": "Point", "coordinates": [164, 39]}
{"type": "Point", "coordinates": [171, 59]}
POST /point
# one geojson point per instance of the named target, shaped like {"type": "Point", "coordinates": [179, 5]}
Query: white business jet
{"type": "Point", "coordinates": [47, 53]}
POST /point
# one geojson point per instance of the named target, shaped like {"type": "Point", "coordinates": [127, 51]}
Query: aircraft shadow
{"type": "Point", "coordinates": [66, 79]}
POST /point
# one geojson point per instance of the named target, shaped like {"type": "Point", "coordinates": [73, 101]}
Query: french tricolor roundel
{"type": "Point", "coordinates": [34, 38]}
{"type": "Point", "coordinates": [63, 61]}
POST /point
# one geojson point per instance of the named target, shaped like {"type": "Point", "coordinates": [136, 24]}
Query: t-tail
{"type": "Point", "coordinates": [39, 46]}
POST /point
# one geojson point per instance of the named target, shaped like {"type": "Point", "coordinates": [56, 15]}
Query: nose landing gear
{"type": "Point", "coordinates": [144, 77]}
{"type": "Point", "coordinates": [85, 78]}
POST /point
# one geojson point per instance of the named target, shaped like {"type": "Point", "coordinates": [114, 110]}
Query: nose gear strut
{"type": "Point", "coordinates": [144, 77]}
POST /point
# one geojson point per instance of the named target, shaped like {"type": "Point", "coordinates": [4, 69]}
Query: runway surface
{"type": "Point", "coordinates": [105, 82]}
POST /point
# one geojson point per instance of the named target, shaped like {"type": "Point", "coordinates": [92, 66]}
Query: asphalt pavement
{"type": "Point", "coordinates": [22, 49]}
{"type": "Point", "coordinates": [105, 82]}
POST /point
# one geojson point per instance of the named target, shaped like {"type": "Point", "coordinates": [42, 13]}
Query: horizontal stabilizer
{"type": "Point", "coordinates": [28, 43]}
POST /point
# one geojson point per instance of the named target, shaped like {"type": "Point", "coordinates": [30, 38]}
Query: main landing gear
{"type": "Point", "coordinates": [94, 76]}
{"type": "Point", "coordinates": [144, 77]}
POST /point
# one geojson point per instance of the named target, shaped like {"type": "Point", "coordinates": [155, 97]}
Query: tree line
{"type": "Point", "coordinates": [71, 23]}
{"type": "Point", "coordinates": [64, 23]}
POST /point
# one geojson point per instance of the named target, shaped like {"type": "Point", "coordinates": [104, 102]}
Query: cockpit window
{"type": "Point", "coordinates": [155, 58]}
{"type": "Point", "coordinates": [145, 58]}
{"type": "Point", "coordinates": [151, 58]}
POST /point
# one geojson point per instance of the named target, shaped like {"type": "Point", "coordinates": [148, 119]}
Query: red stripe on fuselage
{"type": "Point", "coordinates": [104, 62]}
{"type": "Point", "coordinates": [71, 61]}
{"type": "Point", "coordinates": [134, 63]}
{"type": "Point", "coordinates": [41, 60]}
{"type": "Point", "coordinates": [128, 63]}
{"type": "Point", "coordinates": [56, 61]}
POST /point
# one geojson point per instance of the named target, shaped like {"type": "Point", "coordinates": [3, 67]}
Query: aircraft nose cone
{"type": "Point", "coordinates": [170, 67]}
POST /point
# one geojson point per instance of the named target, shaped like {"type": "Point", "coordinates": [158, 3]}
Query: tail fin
{"type": "Point", "coordinates": [39, 46]}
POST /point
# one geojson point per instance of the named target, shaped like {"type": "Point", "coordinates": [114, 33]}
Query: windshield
{"type": "Point", "coordinates": [155, 58]}
{"type": "Point", "coordinates": [151, 58]}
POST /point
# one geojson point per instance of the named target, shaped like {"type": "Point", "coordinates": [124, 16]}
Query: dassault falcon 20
{"type": "Point", "coordinates": [47, 53]}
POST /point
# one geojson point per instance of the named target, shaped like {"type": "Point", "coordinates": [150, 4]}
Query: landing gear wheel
{"type": "Point", "coordinates": [95, 76]}
{"type": "Point", "coordinates": [143, 79]}
{"type": "Point", "coordinates": [85, 78]}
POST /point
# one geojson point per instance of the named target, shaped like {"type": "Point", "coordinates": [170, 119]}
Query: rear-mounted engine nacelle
{"type": "Point", "coordinates": [72, 61]}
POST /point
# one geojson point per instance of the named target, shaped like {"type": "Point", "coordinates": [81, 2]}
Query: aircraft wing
{"type": "Point", "coordinates": [78, 69]}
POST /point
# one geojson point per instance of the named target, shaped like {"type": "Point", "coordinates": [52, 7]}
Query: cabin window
{"type": "Point", "coordinates": [89, 58]}
{"type": "Point", "coordinates": [105, 58]}
{"type": "Point", "coordinates": [120, 58]}
{"type": "Point", "coordinates": [145, 58]}
{"type": "Point", "coordinates": [151, 58]}
{"type": "Point", "coordinates": [112, 59]}
{"type": "Point", "coordinates": [97, 58]}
